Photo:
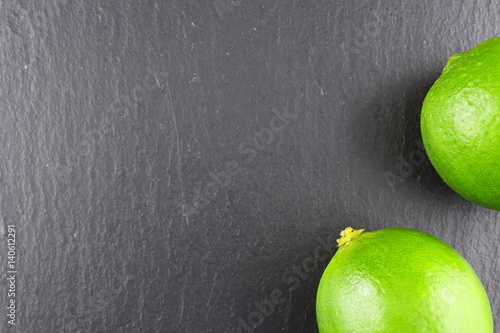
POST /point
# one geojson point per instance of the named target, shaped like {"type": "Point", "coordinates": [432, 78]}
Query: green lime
{"type": "Point", "coordinates": [400, 280]}
{"type": "Point", "coordinates": [460, 124]}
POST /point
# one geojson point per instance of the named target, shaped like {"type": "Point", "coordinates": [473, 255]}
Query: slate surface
{"type": "Point", "coordinates": [174, 166]}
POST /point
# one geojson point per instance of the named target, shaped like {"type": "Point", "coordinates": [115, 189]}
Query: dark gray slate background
{"type": "Point", "coordinates": [176, 166]}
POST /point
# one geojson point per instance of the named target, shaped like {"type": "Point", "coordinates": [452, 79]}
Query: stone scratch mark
{"type": "Point", "coordinates": [214, 280]}
{"type": "Point", "coordinates": [185, 216]}
{"type": "Point", "coordinates": [155, 74]}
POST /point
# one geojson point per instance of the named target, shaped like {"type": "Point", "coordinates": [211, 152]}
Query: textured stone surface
{"type": "Point", "coordinates": [177, 166]}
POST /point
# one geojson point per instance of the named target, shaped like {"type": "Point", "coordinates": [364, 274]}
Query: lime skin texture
{"type": "Point", "coordinates": [399, 280]}
{"type": "Point", "coordinates": [460, 124]}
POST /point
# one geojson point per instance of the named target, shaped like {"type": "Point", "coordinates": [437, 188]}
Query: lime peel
{"type": "Point", "coordinates": [400, 280]}
{"type": "Point", "coordinates": [460, 124]}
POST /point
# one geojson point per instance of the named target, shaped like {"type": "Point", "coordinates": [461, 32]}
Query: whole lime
{"type": "Point", "coordinates": [400, 280]}
{"type": "Point", "coordinates": [460, 123]}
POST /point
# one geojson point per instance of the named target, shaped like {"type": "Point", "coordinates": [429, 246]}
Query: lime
{"type": "Point", "coordinates": [460, 124]}
{"type": "Point", "coordinates": [399, 280]}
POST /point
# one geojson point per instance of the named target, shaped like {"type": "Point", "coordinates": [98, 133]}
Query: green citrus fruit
{"type": "Point", "coordinates": [460, 124]}
{"type": "Point", "coordinates": [400, 280]}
